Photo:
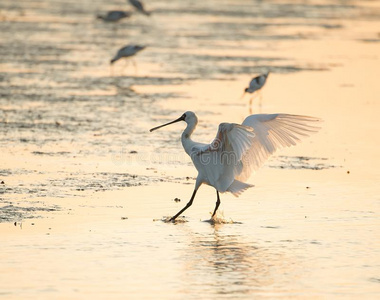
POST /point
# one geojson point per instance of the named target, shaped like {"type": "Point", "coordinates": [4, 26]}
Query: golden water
{"type": "Point", "coordinates": [86, 185]}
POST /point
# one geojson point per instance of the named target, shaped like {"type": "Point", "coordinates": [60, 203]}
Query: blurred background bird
{"type": "Point", "coordinates": [255, 85]}
{"type": "Point", "coordinates": [114, 16]}
{"type": "Point", "coordinates": [137, 4]}
{"type": "Point", "coordinates": [126, 52]}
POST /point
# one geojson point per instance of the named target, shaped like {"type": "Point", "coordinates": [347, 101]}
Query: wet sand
{"type": "Point", "coordinates": [84, 185]}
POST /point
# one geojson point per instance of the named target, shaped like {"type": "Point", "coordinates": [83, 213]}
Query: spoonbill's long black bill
{"type": "Point", "coordinates": [175, 121]}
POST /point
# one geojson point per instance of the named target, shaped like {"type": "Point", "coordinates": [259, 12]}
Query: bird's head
{"type": "Point", "coordinates": [189, 117]}
{"type": "Point", "coordinates": [139, 47]}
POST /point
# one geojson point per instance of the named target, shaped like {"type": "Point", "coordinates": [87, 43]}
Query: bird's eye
{"type": "Point", "coordinates": [183, 116]}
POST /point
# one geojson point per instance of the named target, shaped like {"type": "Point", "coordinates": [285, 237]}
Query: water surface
{"type": "Point", "coordinates": [84, 185]}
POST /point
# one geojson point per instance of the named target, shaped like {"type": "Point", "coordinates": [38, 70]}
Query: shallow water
{"type": "Point", "coordinates": [85, 186]}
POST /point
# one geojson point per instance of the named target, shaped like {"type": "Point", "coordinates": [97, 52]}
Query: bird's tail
{"type": "Point", "coordinates": [113, 60]}
{"type": "Point", "coordinates": [237, 187]}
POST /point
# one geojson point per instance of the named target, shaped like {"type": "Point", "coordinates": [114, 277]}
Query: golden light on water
{"type": "Point", "coordinates": [84, 185]}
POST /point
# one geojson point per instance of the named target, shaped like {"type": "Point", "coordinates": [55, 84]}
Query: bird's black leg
{"type": "Point", "coordinates": [186, 207]}
{"type": "Point", "coordinates": [217, 204]}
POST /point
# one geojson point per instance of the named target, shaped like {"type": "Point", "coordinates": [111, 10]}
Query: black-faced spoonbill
{"type": "Point", "coordinates": [238, 150]}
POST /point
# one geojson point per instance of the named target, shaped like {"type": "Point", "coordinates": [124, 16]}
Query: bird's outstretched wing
{"type": "Point", "coordinates": [230, 138]}
{"type": "Point", "coordinates": [272, 132]}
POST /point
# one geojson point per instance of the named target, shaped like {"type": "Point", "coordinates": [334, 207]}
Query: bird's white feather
{"type": "Point", "coordinates": [237, 187]}
{"type": "Point", "coordinates": [223, 156]}
{"type": "Point", "coordinates": [272, 132]}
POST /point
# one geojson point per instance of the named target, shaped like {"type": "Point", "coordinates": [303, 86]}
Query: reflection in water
{"type": "Point", "coordinates": [227, 264]}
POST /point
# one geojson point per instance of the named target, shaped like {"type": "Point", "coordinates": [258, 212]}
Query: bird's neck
{"type": "Point", "coordinates": [188, 131]}
{"type": "Point", "coordinates": [186, 136]}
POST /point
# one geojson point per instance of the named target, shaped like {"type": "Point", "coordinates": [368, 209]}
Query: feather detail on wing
{"type": "Point", "coordinates": [272, 132]}
{"type": "Point", "coordinates": [223, 156]}
{"type": "Point", "coordinates": [237, 187]}
{"type": "Point", "coordinates": [233, 138]}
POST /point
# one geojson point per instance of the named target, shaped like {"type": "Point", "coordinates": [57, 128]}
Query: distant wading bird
{"type": "Point", "coordinates": [139, 6]}
{"type": "Point", "coordinates": [114, 16]}
{"type": "Point", "coordinates": [238, 150]}
{"type": "Point", "coordinates": [127, 51]}
{"type": "Point", "coordinates": [255, 85]}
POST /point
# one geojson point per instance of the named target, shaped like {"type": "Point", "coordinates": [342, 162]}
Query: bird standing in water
{"type": "Point", "coordinates": [238, 150]}
{"type": "Point", "coordinates": [139, 6]}
{"type": "Point", "coordinates": [255, 85]}
{"type": "Point", "coordinates": [127, 51]}
{"type": "Point", "coordinates": [114, 16]}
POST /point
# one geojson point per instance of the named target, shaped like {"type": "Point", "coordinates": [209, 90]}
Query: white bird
{"type": "Point", "coordinates": [127, 51]}
{"type": "Point", "coordinates": [114, 16]}
{"type": "Point", "coordinates": [139, 6]}
{"type": "Point", "coordinates": [238, 150]}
